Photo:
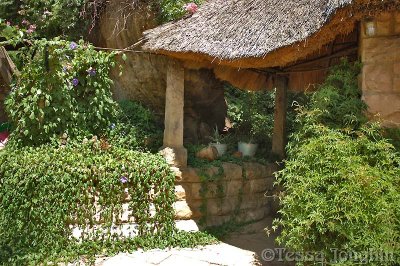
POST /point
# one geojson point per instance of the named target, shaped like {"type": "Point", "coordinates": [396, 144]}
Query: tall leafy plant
{"type": "Point", "coordinates": [341, 180]}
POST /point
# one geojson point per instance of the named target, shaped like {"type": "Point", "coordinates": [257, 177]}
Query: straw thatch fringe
{"type": "Point", "coordinates": [260, 33]}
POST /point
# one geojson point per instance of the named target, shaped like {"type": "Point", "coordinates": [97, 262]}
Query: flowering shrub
{"type": "Point", "coordinates": [65, 88]}
{"type": "Point", "coordinates": [175, 9]}
{"type": "Point", "coordinates": [49, 17]}
{"type": "Point", "coordinates": [191, 8]}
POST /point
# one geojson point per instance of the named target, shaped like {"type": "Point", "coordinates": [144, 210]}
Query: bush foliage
{"type": "Point", "coordinates": [65, 88]}
{"type": "Point", "coordinates": [341, 179]}
{"type": "Point", "coordinates": [46, 190]}
{"type": "Point", "coordinates": [135, 127]}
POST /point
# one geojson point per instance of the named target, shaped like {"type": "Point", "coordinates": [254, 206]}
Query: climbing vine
{"type": "Point", "coordinates": [63, 89]}
{"type": "Point", "coordinates": [49, 193]}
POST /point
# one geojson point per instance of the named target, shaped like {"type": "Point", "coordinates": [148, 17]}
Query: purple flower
{"type": "Point", "coordinates": [73, 45]}
{"type": "Point", "coordinates": [75, 82]}
{"type": "Point", "coordinates": [123, 179]}
{"type": "Point", "coordinates": [91, 72]}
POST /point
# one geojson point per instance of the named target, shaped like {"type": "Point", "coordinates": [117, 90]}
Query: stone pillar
{"type": "Point", "coordinates": [279, 134]}
{"type": "Point", "coordinates": [380, 55]}
{"type": "Point", "coordinates": [173, 148]}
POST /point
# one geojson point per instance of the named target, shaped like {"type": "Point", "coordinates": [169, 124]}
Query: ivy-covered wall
{"type": "Point", "coordinates": [218, 195]}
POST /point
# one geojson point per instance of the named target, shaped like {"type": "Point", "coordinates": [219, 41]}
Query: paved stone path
{"type": "Point", "coordinates": [221, 254]}
{"type": "Point", "coordinates": [241, 248]}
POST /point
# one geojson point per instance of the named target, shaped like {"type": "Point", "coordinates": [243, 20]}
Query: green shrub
{"type": "Point", "coordinates": [65, 88]}
{"type": "Point", "coordinates": [44, 190]}
{"type": "Point", "coordinates": [135, 127]}
{"type": "Point", "coordinates": [341, 180]}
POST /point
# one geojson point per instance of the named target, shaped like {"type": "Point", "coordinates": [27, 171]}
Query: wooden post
{"type": "Point", "coordinates": [174, 115]}
{"type": "Point", "coordinates": [7, 66]}
{"type": "Point", "coordinates": [279, 135]}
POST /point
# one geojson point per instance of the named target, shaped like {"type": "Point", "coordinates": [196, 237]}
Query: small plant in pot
{"type": "Point", "coordinates": [246, 133]}
{"type": "Point", "coordinates": [218, 141]}
{"type": "Point", "coordinates": [247, 144]}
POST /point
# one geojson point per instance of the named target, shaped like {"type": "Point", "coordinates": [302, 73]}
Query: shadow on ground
{"type": "Point", "coordinates": [254, 238]}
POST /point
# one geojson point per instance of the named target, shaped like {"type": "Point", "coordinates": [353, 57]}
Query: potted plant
{"type": "Point", "coordinates": [218, 142]}
{"type": "Point", "coordinates": [247, 144]}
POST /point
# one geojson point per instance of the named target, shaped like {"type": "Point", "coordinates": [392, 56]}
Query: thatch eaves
{"type": "Point", "coordinates": [259, 33]}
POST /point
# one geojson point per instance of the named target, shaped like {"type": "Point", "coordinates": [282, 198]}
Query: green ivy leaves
{"type": "Point", "coordinates": [45, 190]}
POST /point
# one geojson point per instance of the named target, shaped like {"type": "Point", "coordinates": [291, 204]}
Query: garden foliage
{"type": "Point", "coordinates": [342, 178]}
{"type": "Point", "coordinates": [45, 191]}
{"type": "Point", "coordinates": [135, 127]}
{"type": "Point", "coordinates": [51, 17]}
{"type": "Point", "coordinates": [64, 88]}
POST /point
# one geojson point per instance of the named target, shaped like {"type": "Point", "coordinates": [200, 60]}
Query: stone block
{"type": "Point", "coordinates": [229, 205]}
{"type": "Point", "coordinates": [232, 171]}
{"type": "Point", "coordinates": [378, 77]}
{"type": "Point", "coordinates": [213, 190]}
{"type": "Point", "coordinates": [386, 107]}
{"type": "Point", "coordinates": [381, 49]}
{"type": "Point", "coordinates": [384, 24]}
{"type": "Point", "coordinates": [217, 220]}
{"type": "Point", "coordinates": [254, 170]}
{"type": "Point", "coordinates": [255, 201]}
{"type": "Point", "coordinates": [182, 211]}
{"type": "Point", "coordinates": [187, 226]}
{"type": "Point", "coordinates": [214, 207]}
{"type": "Point", "coordinates": [261, 185]}
{"type": "Point", "coordinates": [397, 23]}
{"type": "Point", "coordinates": [233, 187]}
{"type": "Point", "coordinates": [271, 169]}
{"type": "Point", "coordinates": [175, 156]}
{"type": "Point", "coordinates": [251, 215]}
{"type": "Point", "coordinates": [180, 192]}
{"type": "Point", "coordinates": [189, 175]}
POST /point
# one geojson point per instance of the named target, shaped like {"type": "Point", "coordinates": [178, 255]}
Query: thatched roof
{"type": "Point", "coordinates": [247, 33]}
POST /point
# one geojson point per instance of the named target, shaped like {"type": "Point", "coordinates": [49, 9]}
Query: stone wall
{"type": "Point", "coordinates": [380, 56]}
{"type": "Point", "coordinates": [243, 192]}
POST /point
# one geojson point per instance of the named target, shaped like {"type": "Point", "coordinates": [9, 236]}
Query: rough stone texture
{"type": "Point", "coordinates": [244, 192]}
{"type": "Point", "coordinates": [220, 254]}
{"type": "Point", "coordinates": [144, 75]}
{"type": "Point", "coordinates": [380, 55]}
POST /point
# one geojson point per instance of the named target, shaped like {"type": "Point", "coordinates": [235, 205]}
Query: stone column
{"type": "Point", "coordinates": [380, 55]}
{"type": "Point", "coordinates": [173, 149]}
{"type": "Point", "coordinates": [279, 134]}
